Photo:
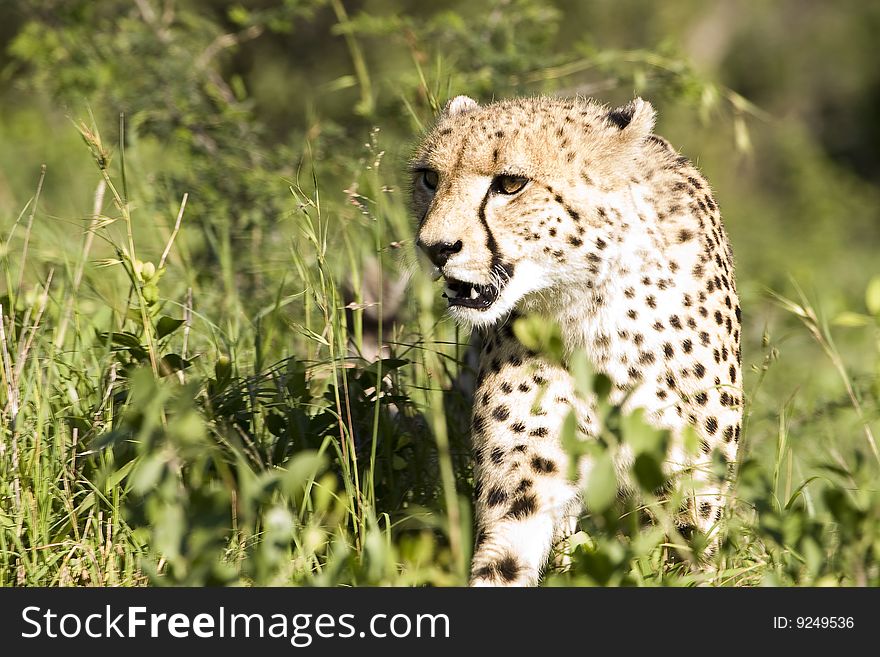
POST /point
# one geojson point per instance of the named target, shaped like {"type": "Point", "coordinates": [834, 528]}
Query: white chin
{"type": "Point", "coordinates": [473, 318]}
{"type": "Point", "coordinates": [526, 280]}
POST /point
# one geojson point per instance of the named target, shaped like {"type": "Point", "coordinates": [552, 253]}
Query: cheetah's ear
{"type": "Point", "coordinates": [636, 118]}
{"type": "Point", "coordinates": [459, 105]}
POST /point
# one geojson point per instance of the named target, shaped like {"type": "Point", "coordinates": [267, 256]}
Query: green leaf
{"type": "Point", "coordinates": [169, 526]}
{"type": "Point", "coordinates": [581, 372]}
{"type": "Point", "coordinates": [171, 363]}
{"type": "Point", "coordinates": [340, 83]}
{"type": "Point", "coordinates": [648, 472]}
{"type": "Point", "coordinates": [239, 15]}
{"type": "Point", "coordinates": [276, 424]}
{"type": "Point", "coordinates": [642, 436]}
{"type": "Point", "coordinates": [222, 371]}
{"type": "Point", "coordinates": [187, 428]}
{"type": "Point", "coordinates": [106, 439]}
{"type": "Point", "coordinates": [167, 326]}
{"type": "Point", "coordinates": [799, 491]}
{"type": "Point", "coordinates": [601, 484]}
{"type": "Point", "coordinates": [147, 473]}
{"type": "Point", "coordinates": [296, 379]}
{"type": "Point", "coordinates": [151, 293]}
{"type": "Point", "coordinates": [388, 365]}
{"type": "Point", "coordinates": [573, 445]}
{"type": "Point", "coordinates": [648, 539]}
{"type": "Point", "coordinates": [813, 555]}
{"type": "Point", "coordinates": [602, 386]}
{"type": "Point", "coordinates": [6, 521]}
{"type": "Point", "coordinates": [301, 469]}
{"type": "Point", "coordinates": [122, 339]}
{"type": "Point", "coordinates": [125, 341]}
{"type": "Point", "coordinates": [539, 335]}
{"type": "Point", "coordinates": [719, 466]}
{"type": "Point", "coordinates": [690, 439]}
{"type": "Point", "coordinates": [872, 296]}
{"type": "Point", "coordinates": [842, 509]}
{"type": "Point", "coordinates": [741, 138]}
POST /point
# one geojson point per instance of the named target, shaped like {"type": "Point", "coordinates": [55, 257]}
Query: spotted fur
{"type": "Point", "coordinates": [578, 213]}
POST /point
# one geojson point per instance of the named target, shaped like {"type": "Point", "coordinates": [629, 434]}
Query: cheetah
{"type": "Point", "coordinates": [576, 212]}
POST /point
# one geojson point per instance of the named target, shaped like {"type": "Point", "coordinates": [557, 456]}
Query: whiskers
{"type": "Point", "coordinates": [498, 278]}
{"type": "Point", "coordinates": [408, 263]}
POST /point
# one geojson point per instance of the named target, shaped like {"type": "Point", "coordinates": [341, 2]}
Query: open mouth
{"type": "Point", "coordinates": [470, 295]}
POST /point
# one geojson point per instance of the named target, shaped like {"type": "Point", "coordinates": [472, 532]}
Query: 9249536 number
{"type": "Point", "coordinates": [824, 622]}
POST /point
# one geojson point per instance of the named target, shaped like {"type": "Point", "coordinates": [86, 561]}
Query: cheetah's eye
{"type": "Point", "coordinates": [509, 184]}
{"type": "Point", "coordinates": [430, 179]}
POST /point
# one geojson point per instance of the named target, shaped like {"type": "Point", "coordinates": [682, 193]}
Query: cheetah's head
{"type": "Point", "coordinates": [505, 195]}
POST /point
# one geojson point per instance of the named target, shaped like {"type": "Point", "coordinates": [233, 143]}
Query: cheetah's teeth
{"type": "Point", "coordinates": [474, 293]}
{"type": "Point", "coordinates": [450, 293]}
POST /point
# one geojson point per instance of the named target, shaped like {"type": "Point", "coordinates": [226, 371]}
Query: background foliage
{"type": "Point", "coordinates": [205, 240]}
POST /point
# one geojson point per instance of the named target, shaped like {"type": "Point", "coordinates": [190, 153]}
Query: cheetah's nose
{"type": "Point", "coordinates": [440, 252]}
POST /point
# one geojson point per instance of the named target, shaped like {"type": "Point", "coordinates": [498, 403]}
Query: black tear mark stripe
{"type": "Point", "coordinates": [497, 264]}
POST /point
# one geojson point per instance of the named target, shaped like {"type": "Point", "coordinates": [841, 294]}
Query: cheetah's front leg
{"type": "Point", "coordinates": [523, 495]}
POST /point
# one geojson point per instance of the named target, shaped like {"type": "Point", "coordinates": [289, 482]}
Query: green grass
{"type": "Point", "coordinates": [193, 439]}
